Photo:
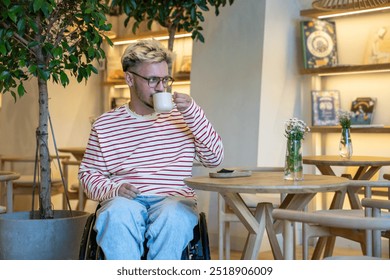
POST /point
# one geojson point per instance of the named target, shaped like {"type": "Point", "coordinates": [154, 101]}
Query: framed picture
{"type": "Point", "coordinates": [363, 109]}
{"type": "Point", "coordinates": [319, 43]}
{"type": "Point", "coordinates": [325, 106]}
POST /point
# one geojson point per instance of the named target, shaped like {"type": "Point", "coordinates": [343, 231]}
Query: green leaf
{"type": "Point", "coordinates": [37, 4]}
{"type": "Point", "coordinates": [94, 70]}
{"type": "Point", "coordinates": [64, 79]}
{"type": "Point", "coordinates": [3, 49]}
{"type": "Point", "coordinates": [13, 95]}
{"type": "Point", "coordinates": [21, 90]}
{"type": "Point", "coordinates": [32, 44]}
{"type": "Point", "coordinates": [4, 75]}
{"type": "Point", "coordinates": [33, 69]}
{"type": "Point", "coordinates": [12, 16]}
{"type": "Point", "coordinates": [57, 52]}
{"type": "Point", "coordinates": [21, 25]}
{"type": "Point", "coordinates": [73, 59]}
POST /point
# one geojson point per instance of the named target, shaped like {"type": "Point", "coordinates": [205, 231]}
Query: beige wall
{"type": "Point", "coordinates": [245, 78]}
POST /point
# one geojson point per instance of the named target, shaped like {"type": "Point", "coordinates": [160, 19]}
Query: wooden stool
{"type": "Point", "coordinates": [24, 185]}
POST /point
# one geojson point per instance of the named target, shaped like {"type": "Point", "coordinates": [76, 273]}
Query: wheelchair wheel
{"type": "Point", "coordinates": [89, 249]}
{"type": "Point", "coordinates": [199, 247]}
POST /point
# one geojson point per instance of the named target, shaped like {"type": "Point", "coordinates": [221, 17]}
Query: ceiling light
{"type": "Point", "coordinates": [331, 5]}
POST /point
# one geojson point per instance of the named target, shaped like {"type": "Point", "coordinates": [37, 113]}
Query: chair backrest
{"type": "Point", "coordinates": [6, 177]}
{"type": "Point", "coordinates": [25, 164]}
{"type": "Point", "coordinates": [326, 218]}
{"type": "Point", "coordinates": [376, 203]}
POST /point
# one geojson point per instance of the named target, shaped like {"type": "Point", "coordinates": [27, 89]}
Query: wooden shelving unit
{"type": "Point", "coordinates": [347, 69]}
{"type": "Point", "coordinates": [324, 73]}
{"type": "Point", "coordinates": [148, 35]}
{"type": "Point", "coordinates": [313, 13]}
{"type": "Point", "coordinates": [337, 129]}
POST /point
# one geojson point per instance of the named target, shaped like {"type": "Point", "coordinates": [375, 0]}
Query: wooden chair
{"type": "Point", "coordinates": [380, 192]}
{"type": "Point", "coordinates": [324, 222]}
{"type": "Point", "coordinates": [376, 206]}
{"type": "Point", "coordinates": [7, 178]}
{"type": "Point", "coordinates": [226, 215]}
{"type": "Point", "coordinates": [74, 191]}
{"type": "Point", "coordinates": [23, 185]}
{"type": "Point", "coordinates": [329, 232]}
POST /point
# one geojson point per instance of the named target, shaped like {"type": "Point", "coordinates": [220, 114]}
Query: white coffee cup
{"type": "Point", "coordinates": [162, 102]}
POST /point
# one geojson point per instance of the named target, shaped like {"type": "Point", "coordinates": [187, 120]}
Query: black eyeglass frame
{"type": "Point", "coordinates": [166, 83]}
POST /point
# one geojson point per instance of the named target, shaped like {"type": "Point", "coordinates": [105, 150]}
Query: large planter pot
{"type": "Point", "coordinates": [22, 238]}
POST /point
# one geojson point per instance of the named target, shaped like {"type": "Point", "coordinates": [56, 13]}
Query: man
{"type": "Point", "coordinates": [136, 160]}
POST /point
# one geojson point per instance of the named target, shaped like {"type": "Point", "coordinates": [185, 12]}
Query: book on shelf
{"type": "Point", "coordinates": [325, 106]}
{"type": "Point", "coordinates": [319, 43]}
{"type": "Point", "coordinates": [363, 109]}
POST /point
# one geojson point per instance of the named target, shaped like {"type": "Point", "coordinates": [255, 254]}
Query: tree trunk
{"type": "Point", "coordinates": [45, 208]}
{"type": "Point", "coordinates": [171, 40]}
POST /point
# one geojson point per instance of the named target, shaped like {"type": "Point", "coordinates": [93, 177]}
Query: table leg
{"type": "Point", "coordinates": [256, 223]}
{"type": "Point", "coordinates": [363, 173]}
{"type": "Point", "coordinates": [325, 170]}
{"type": "Point", "coordinates": [293, 202]}
{"type": "Point", "coordinates": [262, 221]}
{"type": "Point", "coordinates": [271, 233]}
{"type": "Point", "coordinates": [253, 242]}
{"type": "Point", "coordinates": [239, 207]}
{"type": "Point", "coordinates": [328, 242]}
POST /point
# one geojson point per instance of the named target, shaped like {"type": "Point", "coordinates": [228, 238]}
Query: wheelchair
{"type": "Point", "coordinates": [197, 249]}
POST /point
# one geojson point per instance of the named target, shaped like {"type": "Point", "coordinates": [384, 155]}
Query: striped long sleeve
{"type": "Point", "coordinates": [153, 153]}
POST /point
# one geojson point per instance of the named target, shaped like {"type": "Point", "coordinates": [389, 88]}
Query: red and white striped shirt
{"type": "Point", "coordinates": [153, 153]}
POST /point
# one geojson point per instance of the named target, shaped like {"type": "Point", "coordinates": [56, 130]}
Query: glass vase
{"type": "Point", "coordinates": [345, 146]}
{"type": "Point", "coordinates": [293, 167]}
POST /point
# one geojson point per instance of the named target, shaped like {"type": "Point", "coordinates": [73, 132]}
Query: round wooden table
{"type": "Point", "coordinates": [368, 166]}
{"type": "Point", "coordinates": [297, 195]}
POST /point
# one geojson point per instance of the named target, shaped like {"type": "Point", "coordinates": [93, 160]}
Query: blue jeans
{"type": "Point", "coordinates": [166, 222]}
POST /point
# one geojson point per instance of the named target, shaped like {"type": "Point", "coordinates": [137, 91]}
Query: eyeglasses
{"type": "Point", "coordinates": [154, 81]}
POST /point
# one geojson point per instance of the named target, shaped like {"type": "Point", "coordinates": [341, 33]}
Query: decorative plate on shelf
{"type": "Point", "coordinates": [319, 43]}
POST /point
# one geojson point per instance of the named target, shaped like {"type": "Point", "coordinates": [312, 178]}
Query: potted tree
{"type": "Point", "coordinates": [174, 15]}
{"type": "Point", "coordinates": [47, 40]}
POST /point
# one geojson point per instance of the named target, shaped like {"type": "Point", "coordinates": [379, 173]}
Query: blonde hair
{"type": "Point", "coordinates": [149, 51]}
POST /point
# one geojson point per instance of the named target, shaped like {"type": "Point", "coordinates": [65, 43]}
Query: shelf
{"type": "Point", "coordinates": [347, 69]}
{"type": "Point", "coordinates": [122, 83]}
{"type": "Point", "coordinates": [157, 35]}
{"type": "Point", "coordinates": [337, 129]}
{"type": "Point", "coordinates": [313, 13]}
